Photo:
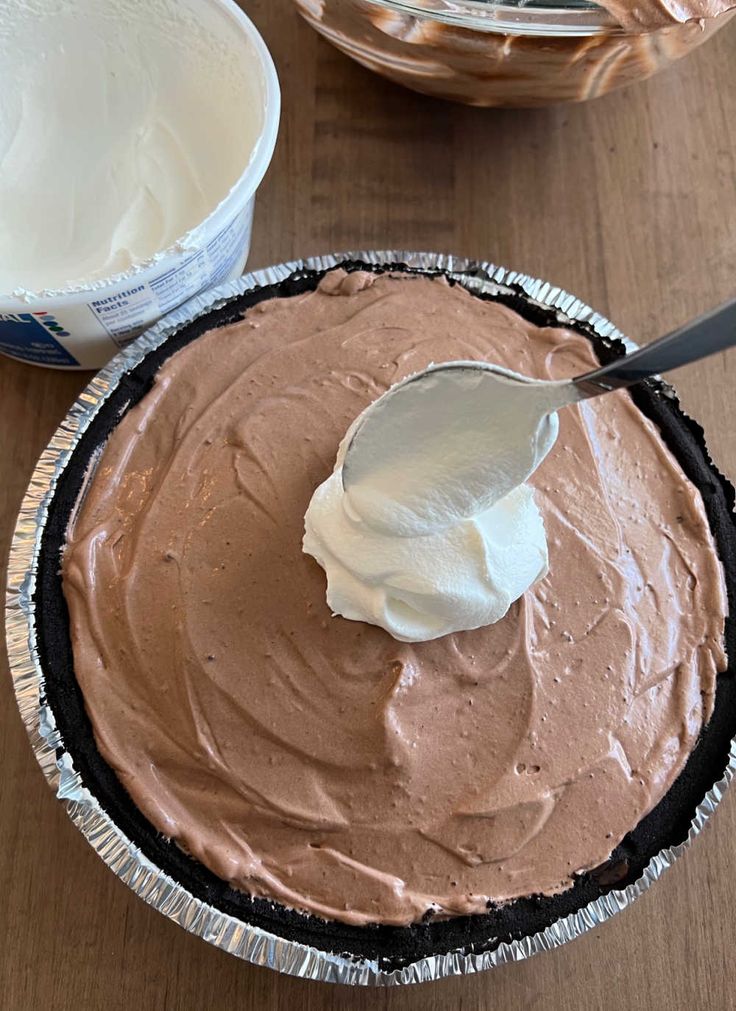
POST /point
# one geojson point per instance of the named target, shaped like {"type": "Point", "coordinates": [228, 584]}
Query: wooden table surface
{"type": "Point", "coordinates": [630, 202]}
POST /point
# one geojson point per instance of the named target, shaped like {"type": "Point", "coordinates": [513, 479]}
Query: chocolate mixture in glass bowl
{"type": "Point", "coordinates": [514, 53]}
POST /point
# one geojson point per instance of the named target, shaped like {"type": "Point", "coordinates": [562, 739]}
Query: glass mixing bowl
{"type": "Point", "coordinates": [516, 53]}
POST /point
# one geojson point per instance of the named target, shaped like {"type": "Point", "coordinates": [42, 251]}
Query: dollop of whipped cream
{"type": "Point", "coordinates": [436, 530]}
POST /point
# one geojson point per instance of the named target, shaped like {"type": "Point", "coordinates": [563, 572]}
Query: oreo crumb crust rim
{"type": "Point", "coordinates": [258, 930]}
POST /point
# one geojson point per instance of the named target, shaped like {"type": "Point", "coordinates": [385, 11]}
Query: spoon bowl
{"type": "Point", "coordinates": [477, 410]}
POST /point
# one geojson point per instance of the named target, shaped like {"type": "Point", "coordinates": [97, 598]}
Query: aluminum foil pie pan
{"type": "Point", "coordinates": [262, 932]}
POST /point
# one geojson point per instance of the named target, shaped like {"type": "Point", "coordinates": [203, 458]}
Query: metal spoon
{"type": "Point", "coordinates": [398, 426]}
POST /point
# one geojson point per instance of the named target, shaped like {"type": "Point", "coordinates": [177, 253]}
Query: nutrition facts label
{"type": "Point", "coordinates": [226, 249]}
{"type": "Point", "coordinates": [127, 313]}
{"type": "Point", "coordinates": [187, 279]}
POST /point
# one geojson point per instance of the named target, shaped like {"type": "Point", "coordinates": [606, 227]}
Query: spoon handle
{"type": "Point", "coordinates": [711, 332]}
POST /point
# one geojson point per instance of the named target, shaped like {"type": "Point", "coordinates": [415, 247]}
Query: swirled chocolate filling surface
{"type": "Point", "coordinates": [315, 760]}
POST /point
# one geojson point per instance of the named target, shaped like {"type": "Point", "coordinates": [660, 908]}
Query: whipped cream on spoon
{"type": "Point", "coordinates": [427, 525]}
{"type": "Point", "coordinates": [417, 436]}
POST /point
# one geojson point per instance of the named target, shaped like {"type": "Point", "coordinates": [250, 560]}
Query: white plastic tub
{"type": "Point", "coordinates": [81, 323]}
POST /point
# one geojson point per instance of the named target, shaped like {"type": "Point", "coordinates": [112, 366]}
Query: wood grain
{"type": "Point", "coordinates": [631, 203]}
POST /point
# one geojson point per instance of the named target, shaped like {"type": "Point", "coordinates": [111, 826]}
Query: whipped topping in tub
{"type": "Point", "coordinates": [116, 133]}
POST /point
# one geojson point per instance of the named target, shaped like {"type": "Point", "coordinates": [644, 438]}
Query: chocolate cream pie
{"type": "Point", "coordinates": [317, 762]}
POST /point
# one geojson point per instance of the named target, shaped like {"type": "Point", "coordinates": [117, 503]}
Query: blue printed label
{"type": "Point", "coordinates": [31, 336]}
